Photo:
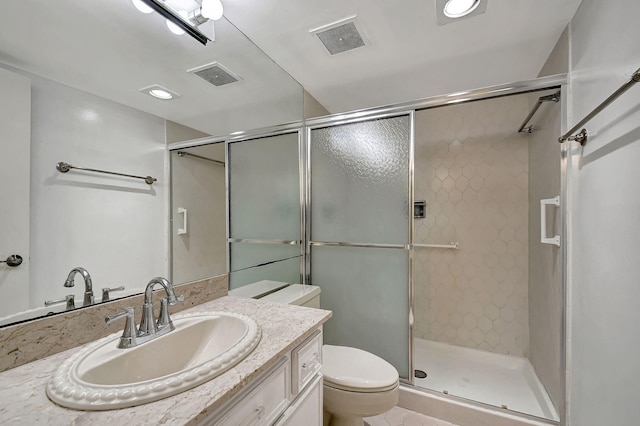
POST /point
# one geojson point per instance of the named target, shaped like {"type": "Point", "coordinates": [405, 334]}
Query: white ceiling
{"type": "Point", "coordinates": [110, 49]}
{"type": "Point", "coordinates": [408, 56]}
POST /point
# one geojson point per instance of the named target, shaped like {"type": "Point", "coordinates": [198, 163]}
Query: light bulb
{"type": "Point", "coordinates": [174, 28]}
{"type": "Point", "coordinates": [160, 94]}
{"type": "Point", "coordinates": [212, 9]}
{"type": "Point", "coordinates": [460, 8]}
{"type": "Point", "coordinates": [141, 6]}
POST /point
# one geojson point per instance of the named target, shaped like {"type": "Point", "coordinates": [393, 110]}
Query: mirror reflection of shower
{"type": "Point", "coordinates": [198, 213]}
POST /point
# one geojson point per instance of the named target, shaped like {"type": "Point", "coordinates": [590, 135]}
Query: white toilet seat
{"type": "Point", "coordinates": [354, 370]}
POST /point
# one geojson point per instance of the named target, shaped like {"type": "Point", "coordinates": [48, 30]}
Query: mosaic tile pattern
{"type": "Point", "coordinates": [471, 167]}
{"type": "Point", "coordinates": [402, 417]}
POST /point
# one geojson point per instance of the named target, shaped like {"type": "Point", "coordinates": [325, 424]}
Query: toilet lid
{"type": "Point", "coordinates": [356, 370]}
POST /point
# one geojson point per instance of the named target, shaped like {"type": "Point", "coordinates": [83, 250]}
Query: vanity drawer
{"type": "Point", "coordinates": [264, 403]}
{"type": "Point", "coordinates": [306, 362]}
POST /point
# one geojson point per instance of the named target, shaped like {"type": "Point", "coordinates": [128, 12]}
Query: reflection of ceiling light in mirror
{"type": "Point", "coordinates": [160, 92]}
{"type": "Point", "coordinates": [141, 6]}
{"type": "Point", "coordinates": [212, 9]}
{"type": "Point", "coordinates": [460, 8]}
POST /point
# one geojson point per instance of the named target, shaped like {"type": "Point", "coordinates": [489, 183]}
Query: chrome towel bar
{"type": "Point", "coordinates": [63, 167]}
{"type": "Point", "coordinates": [582, 136]}
{"type": "Point", "coordinates": [452, 245]}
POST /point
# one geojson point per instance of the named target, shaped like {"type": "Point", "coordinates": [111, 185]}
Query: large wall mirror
{"type": "Point", "coordinates": [75, 83]}
{"type": "Point", "coordinates": [248, 190]}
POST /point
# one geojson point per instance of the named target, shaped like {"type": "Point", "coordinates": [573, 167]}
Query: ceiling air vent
{"type": "Point", "coordinates": [215, 74]}
{"type": "Point", "coordinates": [341, 36]}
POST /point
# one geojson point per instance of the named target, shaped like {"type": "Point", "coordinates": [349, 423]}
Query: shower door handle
{"type": "Point", "coordinates": [183, 212]}
{"type": "Point", "coordinates": [544, 239]}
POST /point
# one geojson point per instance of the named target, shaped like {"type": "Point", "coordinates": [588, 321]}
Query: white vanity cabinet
{"type": "Point", "coordinates": [288, 394]}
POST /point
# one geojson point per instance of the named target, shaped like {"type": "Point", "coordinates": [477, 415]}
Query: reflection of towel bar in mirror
{"type": "Point", "coordinates": [63, 167]}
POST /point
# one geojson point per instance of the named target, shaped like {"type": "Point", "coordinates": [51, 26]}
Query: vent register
{"type": "Point", "coordinates": [341, 36]}
{"type": "Point", "coordinates": [215, 74]}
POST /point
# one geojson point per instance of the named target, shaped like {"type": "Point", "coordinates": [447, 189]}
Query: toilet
{"type": "Point", "coordinates": [357, 383]}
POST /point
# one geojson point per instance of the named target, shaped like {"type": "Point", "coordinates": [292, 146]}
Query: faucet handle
{"type": "Point", "coordinates": [106, 292]}
{"type": "Point", "coordinates": [69, 298]}
{"type": "Point", "coordinates": [163, 318]}
{"type": "Point", "coordinates": [128, 338]}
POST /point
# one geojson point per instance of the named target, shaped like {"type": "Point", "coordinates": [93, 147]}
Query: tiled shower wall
{"type": "Point", "coordinates": [471, 168]}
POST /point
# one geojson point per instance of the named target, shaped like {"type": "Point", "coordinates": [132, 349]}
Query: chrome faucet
{"type": "Point", "coordinates": [88, 285]}
{"type": "Point", "coordinates": [150, 328]}
{"type": "Point", "coordinates": [148, 325]}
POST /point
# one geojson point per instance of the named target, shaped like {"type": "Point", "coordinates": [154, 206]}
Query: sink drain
{"type": "Point", "coordinates": [419, 374]}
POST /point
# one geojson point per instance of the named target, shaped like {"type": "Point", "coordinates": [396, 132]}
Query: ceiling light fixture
{"type": "Point", "coordinates": [212, 9]}
{"type": "Point", "coordinates": [460, 8]}
{"type": "Point", "coordinates": [187, 21]}
{"type": "Point", "coordinates": [449, 11]}
{"type": "Point", "coordinates": [160, 92]}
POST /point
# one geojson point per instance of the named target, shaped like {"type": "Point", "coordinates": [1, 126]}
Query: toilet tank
{"type": "Point", "coordinates": [296, 294]}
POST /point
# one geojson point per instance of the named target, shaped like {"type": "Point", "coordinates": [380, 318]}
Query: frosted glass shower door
{"type": "Point", "coordinates": [360, 234]}
{"type": "Point", "coordinates": [264, 210]}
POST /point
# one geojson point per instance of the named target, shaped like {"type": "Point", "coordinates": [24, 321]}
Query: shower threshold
{"type": "Point", "coordinates": [500, 380]}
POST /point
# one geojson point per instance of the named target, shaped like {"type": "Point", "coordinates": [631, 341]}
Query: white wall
{"type": "Point", "coordinates": [604, 343]}
{"type": "Point", "coordinates": [114, 227]}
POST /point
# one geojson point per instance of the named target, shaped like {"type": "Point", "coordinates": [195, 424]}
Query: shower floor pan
{"type": "Point", "coordinates": [499, 380]}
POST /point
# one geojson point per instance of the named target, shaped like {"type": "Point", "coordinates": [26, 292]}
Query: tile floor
{"type": "Point", "coordinates": [401, 417]}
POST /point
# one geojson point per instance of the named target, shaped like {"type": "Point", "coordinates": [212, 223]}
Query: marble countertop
{"type": "Point", "coordinates": [24, 401]}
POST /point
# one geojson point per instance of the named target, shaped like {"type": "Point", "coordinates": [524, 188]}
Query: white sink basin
{"type": "Point", "coordinates": [203, 346]}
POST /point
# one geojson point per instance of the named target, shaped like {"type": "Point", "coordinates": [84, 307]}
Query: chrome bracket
{"type": "Point", "coordinates": [580, 137]}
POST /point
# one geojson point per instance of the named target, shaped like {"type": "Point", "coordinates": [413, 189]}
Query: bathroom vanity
{"type": "Point", "coordinates": [278, 383]}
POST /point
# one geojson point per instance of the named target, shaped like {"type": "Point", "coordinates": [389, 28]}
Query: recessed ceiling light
{"type": "Point", "coordinates": [160, 92]}
{"type": "Point", "coordinates": [449, 11]}
{"type": "Point", "coordinates": [460, 8]}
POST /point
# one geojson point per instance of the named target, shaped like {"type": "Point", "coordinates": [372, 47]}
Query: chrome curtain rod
{"type": "Point", "coordinates": [188, 154]}
{"type": "Point", "coordinates": [582, 136]}
{"type": "Point", "coordinates": [549, 98]}
{"type": "Point", "coordinates": [63, 167]}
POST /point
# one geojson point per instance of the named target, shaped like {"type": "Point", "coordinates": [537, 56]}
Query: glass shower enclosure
{"type": "Point", "coordinates": [359, 233]}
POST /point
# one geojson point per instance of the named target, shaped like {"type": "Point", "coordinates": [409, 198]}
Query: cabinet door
{"type": "Point", "coordinates": [15, 149]}
{"type": "Point", "coordinates": [307, 409]}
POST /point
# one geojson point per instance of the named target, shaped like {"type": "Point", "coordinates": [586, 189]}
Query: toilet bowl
{"type": "Point", "coordinates": [356, 383]}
